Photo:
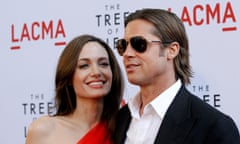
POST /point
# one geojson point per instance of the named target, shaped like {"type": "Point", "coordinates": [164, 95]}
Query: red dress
{"type": "Point", "coordinates": [97, 135]}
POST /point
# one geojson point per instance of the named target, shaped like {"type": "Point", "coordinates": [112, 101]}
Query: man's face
{"type": "Point", "coordinates": [144, 68]}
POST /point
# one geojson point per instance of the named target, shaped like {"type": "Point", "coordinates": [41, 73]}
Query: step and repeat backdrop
{"type": "Point", "coordinates": [34, 33]}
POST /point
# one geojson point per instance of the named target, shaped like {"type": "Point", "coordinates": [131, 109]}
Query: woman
{"type": "Point", "coordinates": [89, 88]}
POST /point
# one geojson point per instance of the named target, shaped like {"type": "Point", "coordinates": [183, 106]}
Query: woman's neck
{"type": "Point", "coordinates": [88, 112]}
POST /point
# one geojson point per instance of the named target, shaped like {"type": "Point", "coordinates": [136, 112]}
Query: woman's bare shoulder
{"type": "Point", "coordinates": [40, 129]}
{"type": "Point", "coordinates": [42, 124]}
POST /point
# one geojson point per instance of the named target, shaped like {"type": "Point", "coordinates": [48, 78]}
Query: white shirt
{"type": "Point", "coordinates": [143, 129]}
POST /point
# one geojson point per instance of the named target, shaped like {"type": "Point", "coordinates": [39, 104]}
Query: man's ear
{"type": "Point", "coordinates": [173, 50]}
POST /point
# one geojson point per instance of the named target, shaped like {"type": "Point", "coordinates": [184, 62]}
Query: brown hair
{"type": "Point", "coordinates": [169, 28]}
{"type": "Point", "coordinates": [65, 96]}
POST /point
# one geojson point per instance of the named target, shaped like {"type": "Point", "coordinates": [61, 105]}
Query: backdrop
{"type": "Point", "coordinates": [34, 33]}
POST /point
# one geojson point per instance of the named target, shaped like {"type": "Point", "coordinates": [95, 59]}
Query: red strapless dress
{"type": "Point", "coordinates": [97, 135]}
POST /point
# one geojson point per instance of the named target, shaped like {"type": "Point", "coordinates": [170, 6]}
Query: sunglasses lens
{"type": "Point", "coordinates": [139, 44]}
{"type": "Point", "coordinates": [121, 46]}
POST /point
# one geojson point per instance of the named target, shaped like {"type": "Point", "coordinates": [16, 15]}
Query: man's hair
{"type": "Point", "coordinates": [168, 27]}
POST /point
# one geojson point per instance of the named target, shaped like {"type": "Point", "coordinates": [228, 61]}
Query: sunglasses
{"type": "Point", "coordinates": [138, 43]}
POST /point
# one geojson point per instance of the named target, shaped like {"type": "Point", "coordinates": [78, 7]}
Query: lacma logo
{"type": "Point", "coordinates": [37, 31]}
{"type": "Point", "coordinates": [219, 13]}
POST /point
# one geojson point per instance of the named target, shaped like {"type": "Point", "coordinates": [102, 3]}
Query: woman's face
{"type": "Point", "coordinates": [93, 74]}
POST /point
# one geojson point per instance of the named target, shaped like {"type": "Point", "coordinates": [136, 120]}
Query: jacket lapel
{"type": "Point", "coordinates": [122, 124]}
{"type": "Point", "coordinates": [178, 120]}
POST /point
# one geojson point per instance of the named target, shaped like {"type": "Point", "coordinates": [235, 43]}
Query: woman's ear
{"type": "Point", "coordinates": [173, 50]}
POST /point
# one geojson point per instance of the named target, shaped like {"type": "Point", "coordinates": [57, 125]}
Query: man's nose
{"type": "Point", "coordinates": [129, 51]}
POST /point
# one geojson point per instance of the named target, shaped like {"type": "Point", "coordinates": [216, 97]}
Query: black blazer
{"type": "Point", "coordinates": [188, 120]}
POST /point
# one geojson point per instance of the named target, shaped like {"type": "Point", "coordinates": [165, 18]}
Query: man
{"type": "Point", "coordinates": [156, 58]}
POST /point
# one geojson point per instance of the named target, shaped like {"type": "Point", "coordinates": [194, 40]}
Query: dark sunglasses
{"type": "Point", "coordinates": [138, 43]}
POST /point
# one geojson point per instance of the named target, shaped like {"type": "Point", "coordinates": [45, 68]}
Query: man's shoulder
{"type": "Point", "coordinates": [197, 107]}
{"type": "Point", "coordinates": [206, 112]}
{"type": "Point", "coordinates": [124, 110]}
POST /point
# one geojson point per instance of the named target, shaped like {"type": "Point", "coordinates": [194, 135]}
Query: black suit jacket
{"type": "Point", "coordinates": [188, 120]}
